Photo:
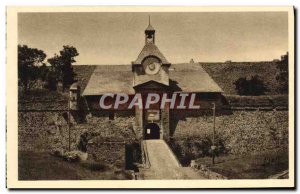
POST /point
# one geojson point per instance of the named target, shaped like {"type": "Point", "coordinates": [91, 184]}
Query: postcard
{"type": "Point", "coordinates": [150, 97]}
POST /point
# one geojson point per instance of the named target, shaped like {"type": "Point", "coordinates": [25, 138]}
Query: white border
{"type": "Point", "coordinates": [12, 154]}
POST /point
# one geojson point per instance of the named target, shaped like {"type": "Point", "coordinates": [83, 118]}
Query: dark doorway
{"type": "Point", "coordinates": [152, 131]}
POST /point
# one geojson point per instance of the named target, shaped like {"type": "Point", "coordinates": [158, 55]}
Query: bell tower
{"type": "Point", "coordinates": [150, 34]}
{"type": "Point", "coordinates": [151, 64]}
{"type": "Point", "coordinates": [151, 75]}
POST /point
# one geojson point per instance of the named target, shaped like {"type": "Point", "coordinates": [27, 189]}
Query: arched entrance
{"type": "Point", "coordinates": [152, 131]}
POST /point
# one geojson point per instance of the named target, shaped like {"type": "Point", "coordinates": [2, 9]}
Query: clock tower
{"type": "Point", "coordinates": [151, 64]}
{"type": "Point", "coordinates": [151, 75]}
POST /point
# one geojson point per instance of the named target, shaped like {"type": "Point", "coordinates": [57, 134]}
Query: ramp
{"type": "Point", "coordinates": [164, 164]}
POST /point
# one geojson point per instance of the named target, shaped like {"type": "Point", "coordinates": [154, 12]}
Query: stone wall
{"type": "Point", "coordinates": [43, 125]}
{"type": "Point", "coordinates": [165, 123]}
{"type": "Point", "coordinates": [266, 102]}
{"type": "Point", "coordinates": [240, 132]}
{"type": "Point", "coordinates": [48, 130]}
{"type": "Point", "coordinates": [42, 131]}
{"type": "Point", "coordinates": [139, 122]}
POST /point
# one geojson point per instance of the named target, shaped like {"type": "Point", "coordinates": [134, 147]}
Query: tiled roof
{"type": "Point", "coordinates": [110, 79]}
{"type": "Point", "coordinates": [119, 78]}
{"type": "Point", "coordinates": [189, 77]}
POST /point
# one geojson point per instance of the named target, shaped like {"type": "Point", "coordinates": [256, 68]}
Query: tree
{"type": "Point", "coordinates": [56, 69]}
{"type": "Point", "coordinates": [62, 65]}
{"type": "Point", "coordinates": [252, 87]}
{"type": "Point", "coordinates": [43, 72]}
{"type": "Point", "coordinates": [241, 86]}
{"type": "Point", "coordinates": [51, 80]}
{"type": "Point", "coordinates": [283, 75]}
{"type": "Point", "coordinates": [29, 62]}
{"type": "Point", "coordinates": [256, 86]}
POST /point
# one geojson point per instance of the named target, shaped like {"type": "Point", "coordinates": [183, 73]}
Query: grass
{"type": "Point", "coordinates": [43, 166]}
{"type": "Point", "coordinates": [257, 101]}
{"type": "Point", "coordinates": [254, 166]}
{"type": "Point", "coordinates": [225, 74]}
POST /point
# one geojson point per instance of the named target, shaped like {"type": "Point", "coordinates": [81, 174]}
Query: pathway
{"type": "Point", "coordinates": [164, 164]}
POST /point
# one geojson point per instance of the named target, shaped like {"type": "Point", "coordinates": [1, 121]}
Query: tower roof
{"type": "Point", "coordinates": [150, 50]}
{"type": "Point", "coordinates": [150, 27]}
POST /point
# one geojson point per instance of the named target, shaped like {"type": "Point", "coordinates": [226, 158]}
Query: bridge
{"type": "Point", "coordinates": [162, 163]}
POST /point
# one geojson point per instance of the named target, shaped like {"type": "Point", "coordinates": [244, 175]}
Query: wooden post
{"type": "Point", "coordinates": [214, 130]}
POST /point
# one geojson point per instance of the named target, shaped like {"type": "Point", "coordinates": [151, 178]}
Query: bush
{"type": "Point", "coordinates": [252, 87]}
{"type": "Point", "coordinates": [249, 166]}
{"type": "Point", "coordinates": [193, 148]}
{"type": "Point", "coordinates": [51, 81]}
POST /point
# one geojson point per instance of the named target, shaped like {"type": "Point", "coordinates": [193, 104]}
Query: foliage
{"type": "Point", "coordinates": [253, 87]}
{"type": "Point", "coordinates": [51, 79]}
{"type": "Point", "coordinates": [43, 166]}
{"type": "Point", "coordinates": [62, 65]}
{"type": "Point", "coordinates": [191, 148]}
{"type": "Point", "coordinates": [30, 66]}
{"type": "Point", "coordinates": [283, 75]}
{"type": "Point", "coordinates": [249, 166]}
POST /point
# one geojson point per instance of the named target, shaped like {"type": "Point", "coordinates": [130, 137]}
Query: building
{"type": "Point", "coordinates": [152, 73]}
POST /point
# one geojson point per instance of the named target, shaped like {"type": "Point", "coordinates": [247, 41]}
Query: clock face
{"type": "Point", "coordinates": [153, 68]}
{"type": "Point", "coordinates": [151, 65]}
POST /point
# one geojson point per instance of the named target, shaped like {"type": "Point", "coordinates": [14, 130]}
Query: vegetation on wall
{"type": "Point", "coordinates": [250, 87]}
{"type": "Point", "coordinates": [283, 75]}
{"type": "Point", "coordinates": [190, 148]}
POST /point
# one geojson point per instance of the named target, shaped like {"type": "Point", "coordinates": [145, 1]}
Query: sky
{"type": "Point", "coordinates": [118, 38]}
